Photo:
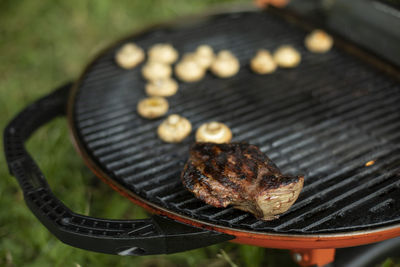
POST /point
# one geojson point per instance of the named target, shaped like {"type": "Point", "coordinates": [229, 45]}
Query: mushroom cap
{"type": "Point", "coordinates": [262, 62]}
{"type": "Point", "coordinates": [225, 54]}
{"type": "Point", "coordinates": [154, 70]}
{"type": "Point", "coordinates": [225, 65]}
{"type": "Point", "coordinates": [189, 70]}
{"type": "Point", "coordinates": [162, 87]}
{"type": "Point", "coordinates": [152, 107]}
{"type": "Point", "coordinates": [129, 56]}
{"type": "Point", "coordinates": [203, 60]}
{"type": "Point", "coordinates": [189, 57]}
{"type": "Point", "coordinates": [205, 55]}
{"type": "Point", "coordinates": [214, 132]}
{"type": "Point", "coordinates": [318, 41]}
{"type": "Point", "coordinates": [205, 50]}
{"type": "Point", "coordinates": [286, 56]}
{"type": "Point", "coordinates": [164, 53]}
{"type": "Point", "coordinates": [174, 129]}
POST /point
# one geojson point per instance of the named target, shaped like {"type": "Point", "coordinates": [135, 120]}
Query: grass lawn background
{"type": "Point", "coordinates": [42, 45]}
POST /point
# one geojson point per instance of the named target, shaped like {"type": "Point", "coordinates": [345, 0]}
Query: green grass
{"type": "Point", "coordinates": [42, 45]}
{"type": "Point", "coordinates": [391, 263]}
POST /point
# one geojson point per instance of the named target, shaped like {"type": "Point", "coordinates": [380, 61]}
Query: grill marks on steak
{"type": "Point", "coordinates": [241, 175]}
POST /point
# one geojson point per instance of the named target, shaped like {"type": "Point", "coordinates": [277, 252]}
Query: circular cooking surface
{"type": "Point", "coordinates": [326, 119]}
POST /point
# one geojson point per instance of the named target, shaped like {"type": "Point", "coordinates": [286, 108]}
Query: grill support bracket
{"type": "Point", "coordinates": [156, 235]}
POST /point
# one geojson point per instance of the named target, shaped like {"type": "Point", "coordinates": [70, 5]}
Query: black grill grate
{"type": "Point", "coordinates": [325, 119]}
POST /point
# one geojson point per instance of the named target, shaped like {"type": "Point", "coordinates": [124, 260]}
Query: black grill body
{"type": "Point", "coordinates": [325, 119]}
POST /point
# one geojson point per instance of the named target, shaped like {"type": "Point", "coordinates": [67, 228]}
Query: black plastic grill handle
{"type": "Point", "coordinates": [156, 235]}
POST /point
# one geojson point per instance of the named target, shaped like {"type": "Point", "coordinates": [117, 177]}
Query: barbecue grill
{"type": "Point", "coordinates": [335, 118]}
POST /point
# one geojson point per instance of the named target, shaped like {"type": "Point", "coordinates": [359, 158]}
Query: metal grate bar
{"type": "Point", "coordinates": [324, 119]}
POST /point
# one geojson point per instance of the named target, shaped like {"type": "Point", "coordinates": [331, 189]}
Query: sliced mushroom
{"type": "Point", "coordinates": [162, 87]}
{"type": "Point", "coordinates": [189, 70]}
{"type": "Point", "coordinates": [287, 56]}
{"type": "Point", "coordinates": [214, 132]}
{"type": "Point", "coordinates": [152, 107]}
{"type": "Point", "coordinates": [318, 41]}
{"type": "Point", "coordinates": [205, 50]}
{"type": "Point", "coordinates": [225, 64]}
{"type": "Point", "coordinates": [129, 56]}
{"type": "Point", "coordinates": [164, 53]}
{"type": "Point", "coordinates": [263, 63]}
{"type": "Point", "coordinates": [174, 129]}
{"type": "Point", "coordinates": [154, 70]}
{"type": "Point", "coordinates": [189, 57]}
{"type": "Point", "coordinates": [205, 56]}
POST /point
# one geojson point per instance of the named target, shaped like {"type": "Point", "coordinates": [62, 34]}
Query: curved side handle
{"type": "Point", "coordinates": [156, 235]}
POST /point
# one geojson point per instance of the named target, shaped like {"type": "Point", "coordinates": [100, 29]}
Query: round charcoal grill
{"type": "Point", "coordinates": [333, 118]}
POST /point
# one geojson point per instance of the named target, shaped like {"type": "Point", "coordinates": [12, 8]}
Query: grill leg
{"type": "Point", "coordinates": [310, 257]}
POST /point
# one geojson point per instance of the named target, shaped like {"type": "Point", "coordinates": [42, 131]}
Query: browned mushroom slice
{"type": "Point", "coordinates": [287, 57]}
{"type": "Point", "coordinates": [162, 87]}
{"type": "Point", "coordinates": [263, 63]}
{"type": "Point", "coordinates": [214, 132]}
{"type": "Point", "coordinates": [189, 70]}
{"type": "Point", "coordinates": [318, 41]}
{"type": "Point", "coordinates": [152, 107]}
{"type": "Point", "coordinates": [174, 129]}
{"type": "Point", "coordinates": [156, 70]}
{"type": "Point", "coordinates": [129, 56]}
{"type": "Point", "coordinates": [225, 64]}
{"type": "Point", "coordinates": [164, 53]}
{"type": "Point", "coordinates": [204, 56]}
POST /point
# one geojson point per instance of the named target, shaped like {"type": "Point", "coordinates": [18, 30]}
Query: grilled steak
{"type": "Point", "coordinates": [241, 175]}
